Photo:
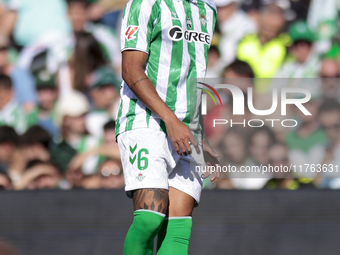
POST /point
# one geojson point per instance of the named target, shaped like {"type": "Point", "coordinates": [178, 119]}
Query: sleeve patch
{"type": "Point", "coordinates": [130, 32]}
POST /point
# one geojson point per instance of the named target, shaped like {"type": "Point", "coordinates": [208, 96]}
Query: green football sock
{"type": "Point", "coordinates": [174, 236]}
{"type": "Point", "coordinates": [140, 237]}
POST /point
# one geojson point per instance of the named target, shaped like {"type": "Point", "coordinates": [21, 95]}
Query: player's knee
{"type": "Point", "coordinates": [148, 221]}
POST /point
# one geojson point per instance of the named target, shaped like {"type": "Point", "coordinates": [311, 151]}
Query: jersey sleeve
{"type": "Point", "coordinates": [137, 25]}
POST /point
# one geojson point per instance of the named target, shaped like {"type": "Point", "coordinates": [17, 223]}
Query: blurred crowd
{"type": "Point", "coordinates": [60, 76]}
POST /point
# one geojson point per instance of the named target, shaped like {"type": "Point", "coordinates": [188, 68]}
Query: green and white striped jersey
{"type": "Point", "coordinates": [12, 115]}
{"type": "Point", "coordinates": [176, 34]}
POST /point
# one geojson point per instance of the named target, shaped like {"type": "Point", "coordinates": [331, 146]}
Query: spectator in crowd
{"type": "Point", "coordinates": [78, 13]}
{"type": "Point", "coordinates": [111, 174]}
{"type": "Point", "coordinates": [44, 113]}
{"type": "Point", "coordinates": [214, 64]}
{"type": "Point", "coordinates": [31, 21]}
{"type": "Point", "coordinates": [306, 144]}
{"type": "Point", "coordinates": [305, 62]}
{"type": "Point", "coordinates": [75, 137]}
{"type": "Point", "coordinates": [23, 82]}
{"type": "Point", "coordinates": [283, 178]}
{"type": "Point", "coordinates": [240, 74]}
{"type": "Point", "coordinates": [233, 24]}
{"type": "Point", "coordinates": [100, 7]}
{"type": "Point", "coordinates": [329, 118]}
{"type": "Point", "coordinates": [104, 94]}
{"type": "Point", "coordinates": [39, 175]}
{"type": "Point", "coordinates": [11, 113]}
{"type": "Point", "coordinates": [8, 143]}
{"type": "Point", "coordinates": [107, 152]}
{"type": "Point", "coordinates": [5, 184]}
{"type": "Point", "coordinates": [260, 141]}
{"type": "Point", "coordinates": [75, 179]}
{"type": "Point", "coordinates": [330, 75]}
{"type": "Point", "coordinates": [266, 50]}
{"type": "Point", "coordinates": [233, 151]}
{"type": "Point", "coordinates": [87, 57]}
{"type": "Point", "coordinates": [35, 144]}
{"type": "Point", "coordinates": [109, 137]}
{"type": "Point", "coordinates": [53, 51]}
{"type": "Point", "coordinates": [107, 148]}
{"type": "Point", "coordinates": [238, 69]}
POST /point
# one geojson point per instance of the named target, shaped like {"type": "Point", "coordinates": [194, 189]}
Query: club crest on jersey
{"type": "Point", "coordinates": [176, 33]}
{"type": "Point", "coordinates": [130, 32]}
{"type": "Point", "coordinates": [140, 177]}
{"type": "Point", "coordinates": [203, 20]}
{"type": "Point", "coordinates": [174, 15]}
{"type": "Point", "coordinates": [189, 23]}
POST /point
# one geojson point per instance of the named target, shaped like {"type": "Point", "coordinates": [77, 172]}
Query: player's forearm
{"type": "Point", "coordinates": [143, 88]}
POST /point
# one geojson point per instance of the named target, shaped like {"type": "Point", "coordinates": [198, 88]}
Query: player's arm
{"type": "Point", "coordinates": [133, 64]}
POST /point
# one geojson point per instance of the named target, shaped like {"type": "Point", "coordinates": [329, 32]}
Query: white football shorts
{"type": "Point", "coordinates": [150, 160]}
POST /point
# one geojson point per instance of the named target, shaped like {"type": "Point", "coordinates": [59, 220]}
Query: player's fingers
{"type": "Point", "coordinates": [177, 148]}
{"type": "Point", "coordinates": [187, 146]}
{"type": "Point", "coordinates": [182, 147]}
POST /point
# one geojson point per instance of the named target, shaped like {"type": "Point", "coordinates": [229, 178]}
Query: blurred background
{"type": "Point", "coordinates": [60, 75]}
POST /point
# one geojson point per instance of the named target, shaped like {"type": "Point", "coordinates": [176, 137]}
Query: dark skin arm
{"type": "Point", "coordinates": [133, 63]}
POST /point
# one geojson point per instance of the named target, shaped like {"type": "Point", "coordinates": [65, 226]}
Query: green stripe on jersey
{"type": "Point", "coordinates": [148, 114]}
{"type": "Point", "coordinates": [133, 19]}
{"type": "Point", "coordinates": [119, 116]}
{"type": "Point", "coordinates": [152, 68]}
{"type": "Point", "coordinates": [131, 114]}
{"type": "Point", "coordinates": [176, 62]}
{"type": "Point", "coordinates": [192, 72]}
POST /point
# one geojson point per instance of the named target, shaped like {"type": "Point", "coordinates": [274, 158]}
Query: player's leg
{"type": "Point", "coordinates": [185, 186]}
{"type": "Point", "coordinates": [146, 182]}
{"type": "Point", "coordinates": [150, 206]}
{"type": "Point", "coordinates": [174, 236]}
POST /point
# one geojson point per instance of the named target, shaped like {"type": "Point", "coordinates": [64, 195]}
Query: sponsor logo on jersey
{"type": "Point", "coordinates": [130, 32]}
{"type": "Point", "coordinates": [189, 23]}
{"type": "Point", "coordinates": [203, 20]}
{"type": "Point", "coordinates": [176, 33]}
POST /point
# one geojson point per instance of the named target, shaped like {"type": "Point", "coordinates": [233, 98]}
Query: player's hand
{"type": "Point", "coordinates": [181, 136]}
{"type": "Point", "coordinates": [210, 157]}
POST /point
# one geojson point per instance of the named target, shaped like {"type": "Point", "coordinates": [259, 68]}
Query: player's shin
{"type": "Point", "coordinates": [174, 236]}
{"type": "Point", "coordinates": [140, 237]}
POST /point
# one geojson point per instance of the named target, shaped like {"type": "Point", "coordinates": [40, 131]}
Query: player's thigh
{"type": "Point", "coordinates": [185, 185]}
{"type": "Point", "coordinates": [180, 203]}
{"type": "Point", "coordinates": [151, 199]}
{"type": "Point", "coordinates": [146, 160]}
